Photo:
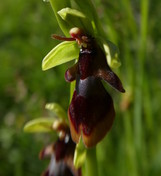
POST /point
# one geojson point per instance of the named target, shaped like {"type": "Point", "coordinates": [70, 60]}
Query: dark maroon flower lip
{"type": "Point", "coordinates": [91, 112]}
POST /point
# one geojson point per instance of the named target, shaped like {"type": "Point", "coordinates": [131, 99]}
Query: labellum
{"type": "Point", "coordinates": [61, 154]}
{"type": "Point", "coordinates": [91, 111]}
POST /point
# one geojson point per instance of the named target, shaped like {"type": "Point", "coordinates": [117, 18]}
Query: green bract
{"type": "Point", "coordinates": [71, 12]}
{"type": "Point", "coordinates": [57, 110]}
{"type": "Point", "coordinates": [80, 154]}
{"type": "Point", "coordinates": [76, 18]}
{"type": "Point", "coordinates": [112, 52]}
{"type": "Point", "coordinates": [62, 53]}
{"type": "Point", "coordinates": [43, 124]}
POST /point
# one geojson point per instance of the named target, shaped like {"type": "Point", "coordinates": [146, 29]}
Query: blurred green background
{"type": "Point", "coordinates": [133, 146]}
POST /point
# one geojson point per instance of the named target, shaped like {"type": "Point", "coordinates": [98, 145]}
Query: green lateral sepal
{"type": "Point", "coordinates": [76, 18]}
{"type": "Point", "coordinates": [57, 110]}
{"type": "Point", "coordinates": [38, 125]}
{"type": "Point", "coordinates": [62, 53]}
{"type": "Point", "coordinates": [112, 53]}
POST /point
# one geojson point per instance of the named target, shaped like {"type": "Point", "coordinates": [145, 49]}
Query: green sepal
{"type": "Point", "coordinates": [72, 88]}
{"type": "Point", "coordinates": [72, 12]}
{"type": "Point", "coordinates": [62, 53]}
{"type": "Point", "coordinates": [76, 18]}
{"type": "Point", "coordinates": [79, 154]}
{"type": "Point", "coordinates": [38, 125]}
{"type": "Point", "coordinates": [112, 53]}
{"type": "Point", "coordinates": [57, 110]}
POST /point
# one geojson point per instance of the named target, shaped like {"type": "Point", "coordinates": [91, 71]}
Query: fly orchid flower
{"type": "Point", "coordinates": [61, 153]}
{"type": "Point", "coordinates": [91, 111]}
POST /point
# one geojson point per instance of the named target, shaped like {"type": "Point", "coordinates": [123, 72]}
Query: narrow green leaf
{"type": "Point", "coordinates": [80, 154]}
{"type": "Point", "coordinates": [57, 110]}
{"type": "Point", "coordinates": [62, 53]}
{"type": "Point", "coordinates": [43, 124]}
{"type": "Point", "coordinates": [56, 6]}
{"type": "Point", "coordinates": [89, 10]}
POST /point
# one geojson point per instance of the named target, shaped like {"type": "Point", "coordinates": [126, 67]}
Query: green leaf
{"type": "Point", "coordinates": [57, 109]}
{"type": "Point", "coordinates": [43, 124]}
{"type": "Point", "coordinates": [112, 53]}
{"type": "Point", "coordinates": [80, 154]}
{"type": "Point", "coordinates": [56, 6]}
{"type": "Point", "coordinates": [62, 53]}
{"type": "Point", "coordinates": [89, 10]}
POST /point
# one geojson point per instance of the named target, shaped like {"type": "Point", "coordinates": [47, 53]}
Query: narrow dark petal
{"type": "Point", "coordinates": [110, 77]}
{"type": "Point", "coordinates": [91, 112]}
{"type": "Point", "coordinates": [62, 38]}
{"type": "Point", "coordinates": [70, 74]}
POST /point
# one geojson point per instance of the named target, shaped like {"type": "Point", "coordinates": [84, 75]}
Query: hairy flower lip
{"type": "Point", "coordinates": [91, 112]}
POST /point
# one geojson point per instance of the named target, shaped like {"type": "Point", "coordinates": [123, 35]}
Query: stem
{"type": "Point", "coordinates": [91, 162]}
{"type": "Point", "coordinates": [88, 8]}
{"type": "Point", "coordinates": [140, 75]}
{"type": "Point", "coordinates": [56, 6]}
{"type": "Point", "coordinates": [138, 104]}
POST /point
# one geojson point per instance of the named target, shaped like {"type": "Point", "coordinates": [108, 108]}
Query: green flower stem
{"type": "Point", "coordinates": [57, 5]}
{"type": "Point", "coordinates": [89, 10]}
{"type": "Point", "coordinates": [91, 163]}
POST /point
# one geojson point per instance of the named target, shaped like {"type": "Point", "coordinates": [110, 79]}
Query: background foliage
{"type": "Point", "coordinates": [133, 147]}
